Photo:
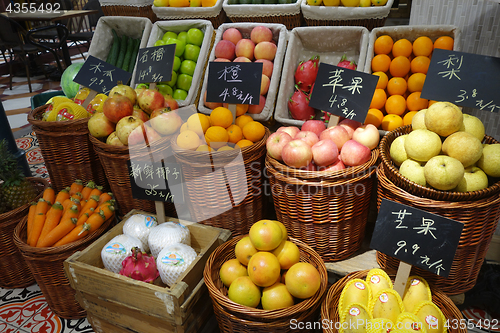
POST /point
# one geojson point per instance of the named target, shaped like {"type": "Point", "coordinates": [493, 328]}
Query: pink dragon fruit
{"type": "Point", "coordinates": [347, 63]}
{"type": "Point", "coordinates": [298, 106]}
{"type": "Point", "coordinates": [140, 266]}
{"type": "Point", "coordinates": [306, 73]}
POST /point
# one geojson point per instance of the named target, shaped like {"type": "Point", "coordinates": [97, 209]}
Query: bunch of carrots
{"type": "Point", "coordinates": [70, 215]}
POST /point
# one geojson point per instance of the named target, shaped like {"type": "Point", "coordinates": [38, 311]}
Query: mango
{"type": "Point", "coordinates": [432, 317]}
{"type": "Point", "coordinates": [380, 325]}
{"type": "Point", "coordinates": [354, 319]}
{"type": "Point", "coordinates": [386, 304]}
{"type": "Point", "coordinates": [377, 279]}
{"type": "Point", "coordinates": [410, 322]}
{"type": "Point", "coordinates": [355, 291]}
{"type": "Point", "coordinates": [417, 290]}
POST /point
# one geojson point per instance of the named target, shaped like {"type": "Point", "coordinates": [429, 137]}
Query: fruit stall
{"type": "Point", "coordinates": [232, 182]}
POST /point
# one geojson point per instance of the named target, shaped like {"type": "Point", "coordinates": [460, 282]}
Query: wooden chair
{"type": "Point", "coordinates": [85, 25]}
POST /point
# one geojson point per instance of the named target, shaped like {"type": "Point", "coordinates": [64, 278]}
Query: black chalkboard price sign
{"type": "Point", "coordinates": [416, 237]}
{"type": "Point", "coordinates": [234, 82]}
{"type": "Point", "coordinates": [100, 76]}
{"type": "Point", "coordinates": [464, 79]}
{"type": "Point", "coordinates": [154, 64]}
{"type": "Point", "coordinates": [343, 92]}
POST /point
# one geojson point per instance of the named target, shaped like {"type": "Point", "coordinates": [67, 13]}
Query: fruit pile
{"type": "Point", "coordinates": [267, 269]}
{"type": "Point", "coordinates": [402, 67]}
{"type": "Point", "coordinates": [62, 108]}
{"type": "Point", "coordinates": [444, 150]}
{"type": "Point", "coordinates": [347, 3]}
{"type": "Point", "coordinates": [184, 3]}
{"type": "Point", "coordinates": [260, 2]}
{"type": "Point", "coordinates": [373, 305]}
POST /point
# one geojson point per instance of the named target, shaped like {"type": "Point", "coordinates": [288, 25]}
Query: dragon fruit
{"type": "Point", "coordinates": [140, 266]}
{"type": "Point", "coordinates": [347, 63]}
{"type": "Point", "coordinates": [298, 105]}
{"type": "Point", "coordinates": [306, 73]}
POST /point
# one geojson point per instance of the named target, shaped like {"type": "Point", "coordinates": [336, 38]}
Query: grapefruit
{"type": "Point", "coordinates": [276, 297]}
{"type": "Point", "coordinates": [288, 254]}
{"type": "Point", "coordinates": [264, 269]}
{"type": "Point", "coordinates": [302, 280]}
{"type": "Point", "coordinates": [244, 250]}
{"type": "Point", "coordinates": [266, 235]}
{"type": "Point", "coordinates": [230, 270]}
{"type": "Point", "coordinates": [243, 291]}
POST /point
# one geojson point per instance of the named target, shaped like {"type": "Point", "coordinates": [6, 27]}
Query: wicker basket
{"type": "Point", "coordinates": [14, 273]}
{"type": "Point", "coordinates": [326, 210]}
{"type": "Point", "coordinates": [214, 14]}
{"type": "Point", "coordinates": [330, 304]}
{"type": "Point", "coordinates": [480, 218]}
{"type": "Point", "coordinates": [66, 150]}
{"type": "Point", "coordinates": [137, 8]}
{"type": "Point", "coordinates": [233, 317]}
{"type": "Point", "coordinates": [47, 266]}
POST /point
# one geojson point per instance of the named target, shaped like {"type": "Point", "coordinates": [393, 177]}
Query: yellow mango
{"type": "Point", "coordinates": [410, 322]}
{"type": "Point", "coordinates": [417, 290]}
{"type": "Point", "coordinates": [380, 325]}
{"type": "Point", "coordinates": [355, 291]}
{"type": "Point", "coordinates": [377, 279]}
{"type": "Point", "coordinates": [432, 317]}
{"type": "Point", "coordinates": [386, 304]}
{"type": "Point", "coordinates": [354, 319]}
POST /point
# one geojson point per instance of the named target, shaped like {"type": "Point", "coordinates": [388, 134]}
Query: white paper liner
{"type": "Point", "coordinates": [330, 43]}
{"type": "Point", "coordinates": [131, 3]}
{"type": "Point", "coordinates": [280, 36]}
{"type": "Point", "coordinates": [261, 10]}
{"type": "Point", "coordinates": [178, 13]}
{"type": "Point", "coordinates": [158, 30]}
{"type": "Point", "coordinates": [334, 13]}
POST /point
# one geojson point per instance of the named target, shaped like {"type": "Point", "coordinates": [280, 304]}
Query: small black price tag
{"type": "Point", "coordinates": [464, 79]}
{"type": "Point", "coordinates": [154, 64]}
{"type": "Point", "coordinates": [100, 76]}
{"type": "Point", "coordinates": [416, 237]}
{"type": "Point", "coordinates": [234, 82]}
{"type": "Point", "coordinates": [344, 92]}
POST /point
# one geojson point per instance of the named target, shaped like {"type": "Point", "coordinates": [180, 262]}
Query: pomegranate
{"type": "Point", "coordinates": [165, 121]}
{"type": "Point", "coordinates": [117, 107]}
{"type": "Point", "coordinates": [125, 126]}
{"type": "Point", "coordinates": [100, 126]}
{"type": "Point", "coordinates": [150, 100]}
{"type": "Point", "coordinates": [140, 114]}
{"type": "Point", "coordinates": [171, 102]}
{"type": "Point", "coordinates": [124, 90]}
{"type": "Point", "coordinates": [140, 266]}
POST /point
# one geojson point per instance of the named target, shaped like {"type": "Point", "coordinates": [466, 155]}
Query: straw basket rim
{"type": "Point", "coordinates": [35, 119]}
{"type": "Point", "coordinates": [399, 180]}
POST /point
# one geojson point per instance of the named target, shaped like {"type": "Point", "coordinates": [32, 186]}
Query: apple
{"type": "Point", "coordinates": [418, 120]}
{"type": "Point", "coordinates": [261, 34]}
{"type": "Point", "coordinates": [222, 60]}
{"type": "Point", "coordinates": [443, 118]}
{"type": "Point", "coordinates": [397, 150]}
{"type": "Point", "coordinates": [123, 89]}
{"type": "Point", "coordinates": [117, 107]}
{"type": "Point", "coordinates": [150, 100]}
{"type": "Point", "coordinates": [192, 52]}
{"type": "Point", "coordinates": [297, 154]}
{"type": "Point", "coordinates": [414, 171]}
{"type": "Point", "coordinates": [165, 122]}
{"type": "Point", "coordinates": [258, 107]}
{"type": "Point", "coordinates": [325, 152]}
{"type": "Point", "coordinates": [172, 81]}
{"type": "Point", "coordinates": [177, 63]}
{"type": "Point", "coordinates": [308, 137]}
{"type": "Point", "coordinates": [265, 50]}
{"type": "Point", "coordinates": [168, 34]}
{"type": "Point", "coordinates": [339, 165]}
{"type": "Point", "coordinates": [316, 126]}
{"type": "Point", "coordinates": [350, 125]}
{"type": "Point", "coordinates": [489, 161]}
{"type": "Point", "coordinates": [275, 143]}
{"type": "Point", "coordinates": [368, 135]}
{"type": "Point", "coordinates": [179, 46]}
{"type": "Point", "coordinates": [463, 146]}
{"type": "Point", "coordinates": [125, 126]}
{"type": "Point", "coordinates": [264, 84]}
{"type": "Point", "coordinates": [232, 34]}
{"type": "Point", "coordinates": [244, 48]}
{"type": "Point", "coordinates": [100, 126]}
{"type": "Point", "coordinates": [210, 105]}
{"type": "Point", "coordinates": [337, 134]}
{"type": "Point", "coordinates": [291, 130]}
{"type": "Point", "coordinates": [310, 167]}
{"type": "Point", "coordinates": [241, 59]}
{"type": "Point", "coordinates": [164, 89]}
{"type": "Point", "coordinates": [443, 172]}
{"type": "Point", "coordinates": [422, 144]}
{"type": "Point", "coordinates": [184, 82]}
{"type": "Point", "coordinates": [140, 114]}
{"type": "Point", "coordinates": [225, 49]}
{"type": "Point", "coordinates": [183, 37]}
{"type": "Point", "coordinates": [187, 67]}
{"type": "Point", "coordinates": [113, 140]}
{"type": "Point", "coordinates": [195, 36]}
{"type": "Point", "coordinates": [267, 67]}
{"type": "Point", "coordinates": [474, 180]}
{"type": "Point", "coordinates": [354, 153]}
{"type": "Point", "coordinates": [473, 125]}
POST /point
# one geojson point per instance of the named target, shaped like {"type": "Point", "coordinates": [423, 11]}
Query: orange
{"type": "Point", "coordinates": [243, 120]}
{"type": "Point", "coordinates": [420, 64]}
{"type": "Point", "coordinates": [381, 63]}
{"type": "Point", "coordinates": [183, 127]}
{"type": "Point", "coordinates": [423, 46]}
{"type": "Point", "coordinates": [302, 280]}
{"type": "Point", "coordinates": [266, 235]}
{"type": "Point", "coordinates": [188, 140]}
{"type": "Point", "coordinates": [243, 291]}
{"type": "Point", "coordinates": [378, 99]}
{"type": "Point", "coordinates": [254, 131]}
{"type": "Point", "coordinates": [431, 102]}
{"type": "Point", "coordinates": [204, 148]}
{"type": "Point", "coordinates": [235, 133]}
{"type": "Point", "coordinates": [224, 148]}
{"type": "Point", "coordinates": [198, 122]}
{"type": "Point", "coordinates": [264, 269]}
{"type": "Point", "coordinates": [382, 80]}
{"type": "Point", "coordinates": [395, 104]}
{"type": "Point", "coordinates": [221, 116]}
{"type": "Point", "coordinates": [391, 122]}
{"type": "Point", "coordinates": [216, 136]}
{"type": "Point", "coordinates": [208, 3]}
{"type": "Point", "coordinates": [230, 270]}
{"type": "Point", "coordinates": [178, 3]}
{"type": "Point", "coordinates": [444, 42]}
{"type": "Point", "coordinates": [400, 66]}
{"type": "Point", "coordinates": [415, 103]}
{"type": "Point", "coordinates": [396, 86]}
{"type": "Point", "coordinates": [416, 82]}
{"type": "Point", "coordinates": [383, 44]}
{"type": "Point", "coordinates": [276, 297]}
{"type": "Point", "coordinates": [244, 143]}
{"type": "Point", "coordinates": [402, 47]}
{"type": "Point", "coordinates": [374, 117]}
{"type": "Point", "coordinates": [241, 109]}
{"type": "Point", "coordinates": [244, 250]}
{"type": "Point", "coordinates": [408, 117]}
{"type": "Point", "coordinates": [288, 254]}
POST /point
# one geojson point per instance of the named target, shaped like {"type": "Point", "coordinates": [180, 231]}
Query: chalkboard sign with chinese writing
{"type": "Point", "coordinates": [464, 79]}
{"type": "Point", "coordinates": [416, 237]}
{"type": "Point", "coordinates": [158, 181]}
{"type": "Point", "coordinates": [154, 64]}
{"type": "Point", "coordinates": [234, 82]}
{"type": "Point", "coordinates": [344, 92]}
{"type": "Point", "coordinates": [100, 76]}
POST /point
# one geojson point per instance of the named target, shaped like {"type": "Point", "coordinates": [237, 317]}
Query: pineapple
{"type": "Point", "coordinates": [15, 189]}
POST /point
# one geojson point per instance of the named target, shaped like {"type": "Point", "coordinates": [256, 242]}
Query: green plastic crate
{"type": "Point", "coordinates": [41, 99]}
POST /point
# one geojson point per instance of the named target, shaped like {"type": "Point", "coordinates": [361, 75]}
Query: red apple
{"type": "Point", "coordinates": [310, 167]}
{"type": "Point", "coordinates": [308, 137]}
{"type": "Point", "coordinates": [261, 34]}
{"type": "Point", "coordinates": [367, 135]}
{"type": "Point", "coordinates": [117, 107]}
{"type": "Point", "coordinates": [171, 102]}
{"type": "Point", "coordinates": [140, 114]}
{"type": "Point", "coordinates": [297, 154]}
{"type": "Point", "coordinates": [225, 49]}
{"type": "Point", "coordinates": [244, 48]}
{"type": "Point", "coordinates": [150, 100]}
{"type": "Point", "coordinates": [265, 50]}
{"type": "Point", "coordinates": [165, 122]}
{"type": "Point", "coordinates": [113, 140]}
{"type": "Point", "coordinates": [350, 125]}
{"type": "Point", "coordinates": [339, 165]}
{"type": "Point", "coordinates": [242, 59]}
{"type": "Point", "coordinates": [124, 90]}
{"type": "Point", "coordinates": [316, 126]}
{"type": "Point", "coordinates": [221, 60]}
{"type": "Point", "coordinates": [354, 153]}
{"type": "Point", "coordinates": [232, 35]}
{"type": "Point", "coordinates": [291, 130]}
{"type": "Point", "coordinates": [337, 134]}
{"type": "Point", "coordinates": [100, 126]}
{"type": "Point", "coordinates": [259, 107]}
{"type": "Point", "coordinates": [275, 143]}
{"type": "Point", "coordinates": [267, 67]}
{"type": "Point", "coordinates": [264, 84]}
{"type": "Point", "coordinates": [325, 152]}
{"type": "Point", "coordinates": [125, 126]}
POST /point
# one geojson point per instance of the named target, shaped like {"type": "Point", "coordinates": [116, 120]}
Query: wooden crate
{"type": "Point", "coordinates": [139, 306]}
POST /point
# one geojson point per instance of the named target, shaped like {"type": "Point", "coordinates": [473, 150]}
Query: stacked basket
{"type": "Point", "coordinates": [214, 14]}
{"type": "Point", "coordinates": [138, 8]}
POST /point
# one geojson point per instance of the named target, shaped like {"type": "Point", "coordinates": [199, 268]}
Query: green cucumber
{"type": "Point", "coordinates": [123, 50]}
{"type": "Point", "coordinates": [133, 58]}
{"type": "Point", "coordinates": [128, 54]}
{"type": "Point", "coordinates": [113, 53]}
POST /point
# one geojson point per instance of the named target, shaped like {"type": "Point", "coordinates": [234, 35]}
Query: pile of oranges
{"type": "Point", "coordinates": [218, 131]}
{"type": "Point", "coordinates": [402, 67]}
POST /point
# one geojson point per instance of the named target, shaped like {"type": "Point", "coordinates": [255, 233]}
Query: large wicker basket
{"type": "Point", "coordinates": [66, 150]}
{"type": "Point", "coordinates": [326, 210]}
{"type": "Point", "coordinates": [224, 188]}
{"type": "Point", "coordinates": [137, 8]}
{"type": "Point", "coordinates": [330, 305]}
{"type": "Point", "coordinates": [47, 266]}
{"type": "Point", "coordinates": [233, 317]}
{"type": "Point", "coordinates": [14, 273]}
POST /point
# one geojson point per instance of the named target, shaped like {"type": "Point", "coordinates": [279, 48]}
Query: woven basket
{"type": "Point", "coordinates": [66, 150]}
{"type": "Point", "coordinates": [114, 160]}
{"type": "Point", "coordinates": [326, 210]}
{"type": "Point", "coordinates": [330, 304]}
{"type": "Point", "coordinates": [137, 8]}
{"type": "Point", "coordinates": [14, 273]}
{"type": "Point", "coordinates": [480, 218]}
{"type": "Point", "coordinates": [221, 192]}
{"type": "Point", "coordinates": [392, 173]}
{"type": "Point", "coordinates": [214, 14]}
{"type": "Point", "coordinates": [233, 317]}
{"type": "Point", "coordinates": [47, 266]}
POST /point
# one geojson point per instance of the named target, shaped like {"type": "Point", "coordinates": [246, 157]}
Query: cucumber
{"type": "Point", "coordinates": [123, 50]}
{"type": "Point", "coordinates": [133, 58]}
{"type": "Point", "coordinates": [113, 53]}
{"type": "Point", "coordinates": [128, 54]}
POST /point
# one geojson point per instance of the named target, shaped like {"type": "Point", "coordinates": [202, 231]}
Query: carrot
{"type": "Point", "coordinates": [105, 204]}
{"type": "Point", "coordinates": [77, 195]}
{"type": "Point", "coordinates": [62, 195]}
{"type": "Point", "coordinates": [31, 217]}
{"type": "Point", "coordinates": [76, 186]}
{"type": "Point", "coordinates": [42, 207]}
{"type": "Point", "coordinates": [84, 217]}
{"type": "Point", "coordinates": [105, 196]}
{"type": "Point", "coordinates": [87, 189]}
{"type": "Point", "coordinates": [93, 223]}
{"type": "Point", "coordinates": [52, 219]}
{"type": "Point", "coordinates": [68, 223]}
{"type": "Point", "coordinates": [70, 202]}
{"type": "Point", "coordinates": [90, 204]}
{"type": "Point", "coordinates": [96, 191]}
{"type": "Point", "coordinates": [49, 195]}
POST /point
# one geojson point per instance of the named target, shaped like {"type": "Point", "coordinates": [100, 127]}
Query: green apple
{"type": "Point", "coordinates": [474, 180]}
{"type": "Point", "coordinates": [173, 79]}
{"type": "Point", "coordinates": [164, 89]}
{"type": "Point", "coordinates": [195, 36]}
{"type": "Point", "coordinates": [443, 118]}
{"type": "Point", "coordinates": [397, 150]}
{"type": "Point", "coordinates": [180, 45]}
{"type": "Point", "coordinates": [182, 36]}
{"type": "Point", "coordinates": [418, 120]}
{"type": "Point", "coordinates": [443, 172]}
{"type": "Point", "coordinates": [474, 126]}
{"type": "Point", "coordinates": [159, 42]}
{"type": "Point", "coordinates": [184, 81]}
{"type": "Point", "coordinates": [421, 145]}
{"type": "Point", "coordinates": [463, 146]}
{"type": "Point", "coordinates": [489, 161]}
{"type": "Point", "coordinates": [168, 34]}
{"type": "Point", "coordinates": [414, 171]}
{"type": "Point", "coordinates": [180, 94]}
{"type": "Point", "coordinates": [188, 67]}
{"type": "Point", "coordinates": [177, 64]}
{"type": "Point", "coordinates": [192, 52]}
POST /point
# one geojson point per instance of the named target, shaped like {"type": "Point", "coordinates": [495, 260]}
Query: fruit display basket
{"type": "Point", "coordinates": [369, 17]}
{"type": "Point", "coordinates": [280, 37]}
{"type": "Point", "coordinates": [160, 27]}
{"type": "Point", "coordinates": [288, 14]}
{"type": "Point", "coordinates": [117, 303]}
{"type": "Point", "coordinates": [47, 266]}
{"type": "Point", "coordinates": [328, 210]}
{"type": "Point", "coordinates": [233, 317]}
{"type": "Point", "coordinates": [138, 8]}
{"type": "Point", "coordinates": [66, 150]}
{"type": "Point", "coordinates": [214, 14]}
{"type": "Point", "coordinates": [329, 312]}
{"type": "Point", "coordinates": [224, 188]}
{"type": "Point", "coordinates": [14, 272]}
{"type": "Point", "coordinates": [330, 43]}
